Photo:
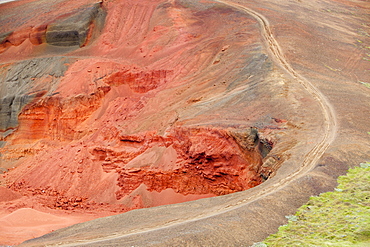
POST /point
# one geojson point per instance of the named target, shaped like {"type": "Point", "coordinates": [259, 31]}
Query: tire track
{"type": "Point", "coordinates": [329, 117]}
{"type": "Point", "coordinates": [309, 161]}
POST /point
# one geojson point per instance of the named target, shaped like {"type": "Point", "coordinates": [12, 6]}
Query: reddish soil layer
{"type": "Point", "coordinates": [116, 121]}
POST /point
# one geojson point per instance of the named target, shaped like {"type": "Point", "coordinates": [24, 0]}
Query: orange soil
{"type": "Point", "coordinates": [107, 137]}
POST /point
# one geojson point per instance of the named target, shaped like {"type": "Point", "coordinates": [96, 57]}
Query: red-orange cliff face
{"type": "Point", "coordinates": [112, 106]}
{"type": "Point", "coordinates": [188, 161]}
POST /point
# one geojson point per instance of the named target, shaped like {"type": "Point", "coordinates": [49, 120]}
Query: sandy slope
{"type": "Point", "coordinates": [27, 223]}
{"type": "Point", "coordinates": [136, 125]}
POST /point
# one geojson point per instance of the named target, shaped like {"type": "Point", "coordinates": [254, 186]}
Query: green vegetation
{"type": "Point", "coordinates": [338, 218]}
{"type": "Point", "coordinates": [365, 84]}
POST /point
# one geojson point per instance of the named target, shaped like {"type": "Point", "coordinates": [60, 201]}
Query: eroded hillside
{"type": "Point", "coordinates": [116, 105]}
{"type": "Point", "coordinates": [113, 106]}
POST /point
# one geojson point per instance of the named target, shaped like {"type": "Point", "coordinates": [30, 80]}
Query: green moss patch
{"type": "Point", "coordinates": [338, 218]}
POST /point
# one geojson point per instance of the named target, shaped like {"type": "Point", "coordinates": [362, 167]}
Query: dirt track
{"type": "Point", "coordinates": [308, 162]}
{"type": "Point", "coordinates": [310, 159]}
{"type": "Point", "coordinates": [330, 120]}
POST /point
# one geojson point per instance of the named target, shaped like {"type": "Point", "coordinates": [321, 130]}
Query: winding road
{"type": "Point", "coordinates": [308, 162]}
{"type": "Point", "coordinates": [329, 117]}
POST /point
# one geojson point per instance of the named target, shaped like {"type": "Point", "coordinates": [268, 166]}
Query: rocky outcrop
{"type": "Point", "coordinates": [24, 82]}
{"type": "Point", "coordinates": [56, 118]}
{"type": "Point", "coordinates": [139, 82]}
{"type": "Point", "coordinates": [208, 161]}
{"type": "Point", "coordinates": [189, 161]}
{"type": "Point", "coordinates": [76, 28]}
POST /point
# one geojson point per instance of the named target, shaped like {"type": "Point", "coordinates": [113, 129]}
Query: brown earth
{"type": "Point", "coordinates": [113, 106]}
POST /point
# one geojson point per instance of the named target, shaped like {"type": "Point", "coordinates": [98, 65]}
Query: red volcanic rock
{"type": "Point", "coordinates": [182, 161]}
{"type": "Point", "coordinates": [188, 158]}
{"type": "Point", "coordinates": [69, 29]}
{"type": "Point", "coordinates": [121, 105]}
{"type": "Point", "coordinates": [76, 28]}
{"type": "Point", "coordinates": [140, 82]}
{"type": "Point", "coordinates": [56, 118]}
